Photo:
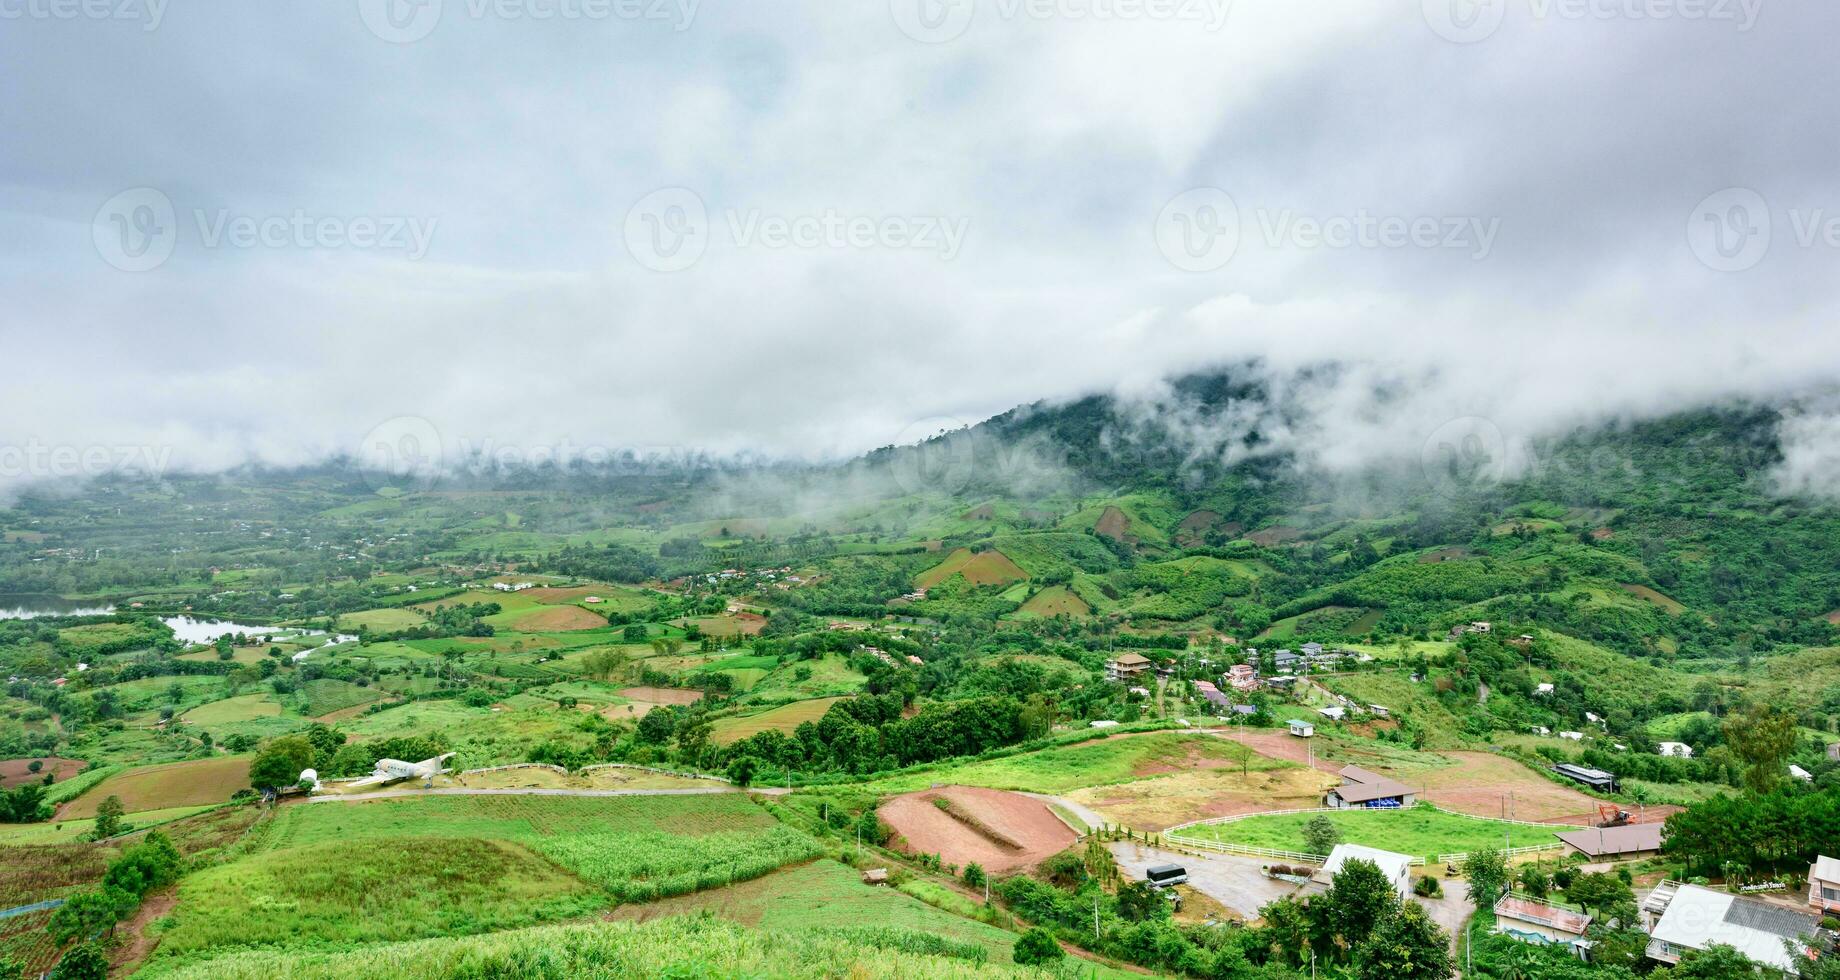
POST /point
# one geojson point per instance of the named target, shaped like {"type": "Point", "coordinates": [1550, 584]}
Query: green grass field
{"type": "Point", "coordinates": [673, 947]}
{"type": "Point", "coordinates": [381, 620]}
{"type": "Point", "coordinates": [324, 695]}
{"type": "Point", "coordinates": [1118, 759]}
{"type": "Point", "coordinates": [355, 891]}
{"type": "Point", "coordinates": [246, 707]}
{"type": "Point", "coordinates": [1420, 831]}
{"type": "Point", "coordinates": [635, 847]}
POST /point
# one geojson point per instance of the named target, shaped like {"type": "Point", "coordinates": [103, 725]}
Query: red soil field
{"type": "Point", "coordinates": [16, 772]}
{"type": "Point", "coordinates": [1001, 831]}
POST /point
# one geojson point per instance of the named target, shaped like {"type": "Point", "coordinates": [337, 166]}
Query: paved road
{"type": "Point", "coordinates": [1235, 882]}
{"type": "Point", "coordinates": [1093, 818]}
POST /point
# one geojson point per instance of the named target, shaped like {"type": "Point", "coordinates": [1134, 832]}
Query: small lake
{"type": "Point", "coordinates": [191, 629]}
{"type": "Point", "coordinates": [31, 606]}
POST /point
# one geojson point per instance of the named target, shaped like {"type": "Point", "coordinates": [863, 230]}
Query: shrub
{"type": "Point", "coordinates": [86, 962]}
{"type": "Point", "coordinates": [1037, 946]}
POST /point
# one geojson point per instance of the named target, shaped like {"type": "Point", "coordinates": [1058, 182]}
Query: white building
{"type": "Point", "coordinates": [1680, 750]}
{"type": "Point", "coordinates": [1688, 917]}
{"type": "Point", "coordinates": [1396, 867]}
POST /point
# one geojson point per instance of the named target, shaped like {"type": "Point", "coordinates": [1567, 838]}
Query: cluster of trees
{"type": "Point", "coordinates": [1737, 835]}
{"type": "Point", "coordinates": [25, 803]}
{"type": "Point", "coordinates": [867, 734]}
{"type": "Point", "coordinates": [152, 863]}
{"type": "Point", "coordinates": [324, 749]}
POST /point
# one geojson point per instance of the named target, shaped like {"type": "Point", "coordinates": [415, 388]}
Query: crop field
{"type": "Point", "coordinates": [23, 940]}
{"type": "Point", "coordinates": [985, 568]}
{"type": "Point", "coordinates": [784, 719]}
{"type": "Point", "coordinates": [1055, 600]}
{"type": "Point", "coordinates": [822, 895]}
{"type": "Point", "coordinates": [178, 784]}
{"type": "Point", "coordinates": [68, 830]}
{"type": "Point", "coordinates": [34, 874]}
{"type": "Point", "coordinates": [1164, 801]}
{"type": "Point", "coordinates": [1420, 831]}
{"type": "Point", "coordinates": [324, 695]}
{"type": "Point", "coordinates": [347, 892]}
{"type": "Point", "coordinates": [246, 707]}
{"type": "Point", "coordinates": [685, 946]}
{"type": "Point", "coordinates": [381, 620]}
{"type": "Point", "coordinates": [535, 618]}
{"type": "Point", "coordinates": [1102, 762]}
{"type": "Point", "coordinates": [829, 676]}
{"type": "Point", "coordinates": [634, 847]}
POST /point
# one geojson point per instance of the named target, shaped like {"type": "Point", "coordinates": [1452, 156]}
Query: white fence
{"type": "Point", "coordinates": [1175, 835]}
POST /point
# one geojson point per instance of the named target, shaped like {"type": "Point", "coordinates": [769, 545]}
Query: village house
{"type": "Point", "coordinates": [1301, 728]}
{"type": "Point", "coordinates": [1379, 711]}
{"type": "Point", "coordinates": [1542, 690]}
{"type": "Point", "coordinates": [1797, 772]}
{"type": "Point", "coordinates": [1688, 917]}
{"type": "Point", "coordinates": [1824, 885]}
{"type": "Point", "coordinates": [1242, 677]}
{"type": "Point", "coordinates": [1333, 712]}
{"type": "Point", "coordinates": [1607, 843]}
{"type": "Point", "coordinates": [1212, 694]}
{"type": "Point", "coordinates": [1540, 923]}
{"type": "Point", "coordinates": [1396, 867]}
{"type": "Point", "coordinates": [1363, 789]}
{"type": "Point", "coordinates": [1286, 662]}
{"type": "Point", "coordinates": [1679, 750]}
{"type": "Point", "coordinates": [1125, 667]}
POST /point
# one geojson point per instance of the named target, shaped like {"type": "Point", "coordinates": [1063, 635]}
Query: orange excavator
{"type": "Point", "coordinates": [1611, 815]}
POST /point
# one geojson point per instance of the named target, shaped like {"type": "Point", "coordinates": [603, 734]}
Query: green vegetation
{"type": "Point", "coordinates": [1421, 831]}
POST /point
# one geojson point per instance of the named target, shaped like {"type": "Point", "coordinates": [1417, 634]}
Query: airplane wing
{"type": "Point", "coordinates": [371, 780]}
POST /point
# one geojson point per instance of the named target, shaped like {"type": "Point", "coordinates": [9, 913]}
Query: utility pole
{"type": "Point", "coordinates": [1095, 918]}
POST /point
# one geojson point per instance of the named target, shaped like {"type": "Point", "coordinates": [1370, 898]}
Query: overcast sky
{"type": "Point", "coordinates": [279, 230]}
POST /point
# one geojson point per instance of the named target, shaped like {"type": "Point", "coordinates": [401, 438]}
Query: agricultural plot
{"type": "Point", "coordinates": [823, 895]}
{"type": "Point", "coordinates": [544, 619]}
{"type": "Point", "coordinates": [14, 772]}
{"type": "Point", "coordinates": [63, 831]}
{"type": "Point", "coordinates": [324, 695]}
{"type": "Point", "coordinates": [984, 568]}
{"type": "Point", "coordinates": [1101, 762]}
{"type": "Point", "coordinates": [1420, 831]}
{"type": "Point", "coordinates": [634, 847]}
{"type": "Point", "coordinates": [179, 784]}
{"type": "Point", "coordinates": [24, 941]}
{"type": "Point", "coordinates": [341, 892]}
{"type": "Point", "coordinates": [1055, 600]}
{"type": "Point", "coordinates": [962, 824]}
{"type": "Point", "coordinates": [229, 711]}
{"type": "Point", "coordinates": [1164, 801]}
{"type": "Point", "coordinates": [686, 946]}
{"type": "Point", "coordinates": [828, 676]}
{"type": "Point", "coordinates": [381, 620]}
{"type": "Point", "coordinates": [783, 719]}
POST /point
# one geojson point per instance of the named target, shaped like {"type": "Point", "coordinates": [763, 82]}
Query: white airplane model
{"type": "Point", "coordinates": [396, 770]}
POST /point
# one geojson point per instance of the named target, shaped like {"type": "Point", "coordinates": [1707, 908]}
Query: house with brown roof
{"type": "Point", "coordinates": [1613, 843]}
{"type": "Point", "coordinates": [1361, 788]}
{"type": "Point", "coordinates": [1126, 667]}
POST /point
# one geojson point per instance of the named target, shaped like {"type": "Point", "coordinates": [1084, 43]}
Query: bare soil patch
{"type": "Point", "coordinates": [551, 595]}
{"type": "Point", "coordinates": [999, 830]}
{"type": "Point", "coordinates": [661, 695]}
{"type": "Point", "coordinates": [1162, 802]}
{"type": "Point", "coordinates": [559, 619]}
{"type": "Point", "coordinates": [1271, 537]}
{"type": "Point", "coordinates": [16, 772]}
{"type": "Point", "coordinates": [1115, 525]}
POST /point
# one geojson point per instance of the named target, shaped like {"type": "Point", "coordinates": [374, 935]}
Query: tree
{"type": "Point", "coordinates": [974, 875]}
{"type": "Point", "coordinates": [1359, 898]}
{"type": "Point", "coordinates": [1488, 875]}
{"type": "Point", "coordinates": [108, 818]}
{"type": "Point", "coordinates": [1406, 945]}
{"type": "Point", "coordinates": [1718, 962]}
{"type": "Point", "coordinates": [741, 770]}
{"type": "Point", "coordinates": [83, 915]}
{"type": "Point", "coordinates": [10, 969]}
{"type": "Point", "coordinates": [1534, 881]}
{"type": "Point", "coordinates": [1762, 736]}
{"type": "Point", "coordinates": [86, 962]}
{"type": "Point", "coordinates": [281, 762]}
{"type": "Point", "coordinates": [1037, 946]}
{"type": "Point", "coordinates": [1321, 835]}
{"type": "Point", "coordinates": [1140, 901]}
